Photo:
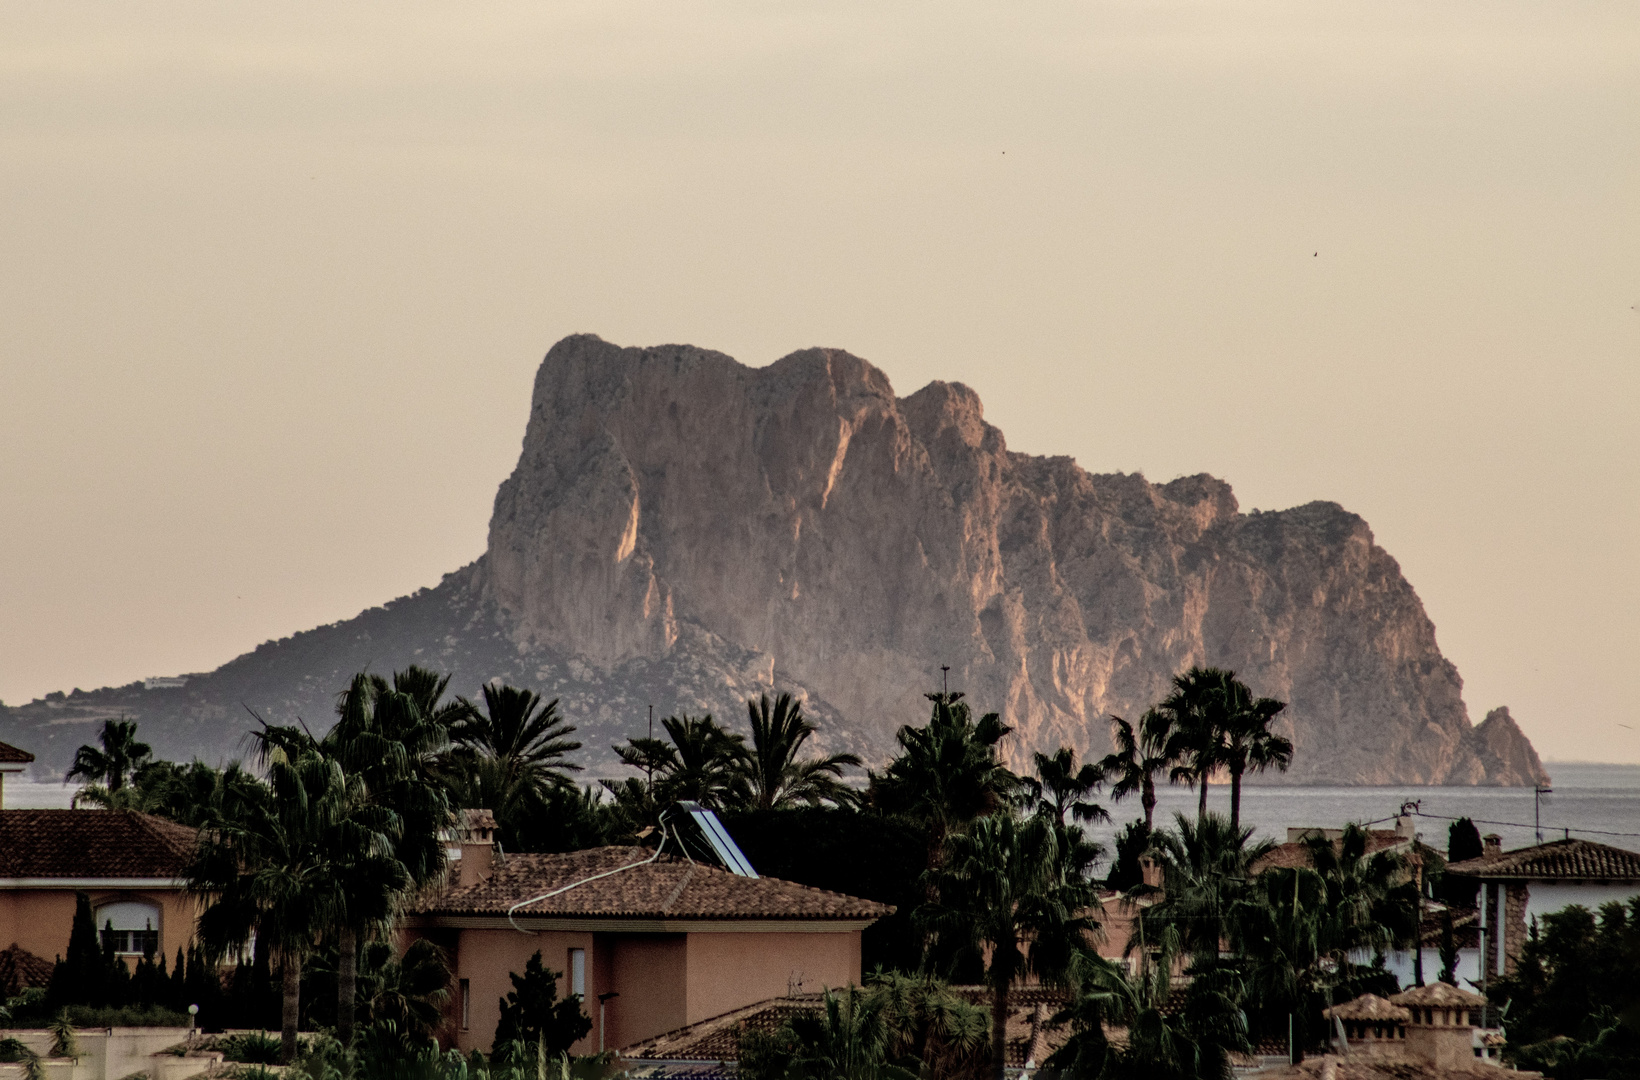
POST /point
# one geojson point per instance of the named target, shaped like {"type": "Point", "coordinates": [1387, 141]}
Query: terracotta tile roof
{"type": "Point", "coordinates": [21, 969]}
{"type": "Point", "coordinates": [718, 1038]}
{"type": "Point", "coordinates": [1438, 995]}
{"type": "Point", "coordinates": [1369, 1007]}
{"type": "Point", "coordinates": [1558, 860]}
{"type": "Point", "coordinates": [91, 844]}
{"type": "Point", "coordinates": [10, 755]}
{"type": "Point", "coordinates": [1329, 1067]}
{"type": "Point", "coordinates": [669, 887]}
{"type": "Point", "coordinates": [1296, 853]}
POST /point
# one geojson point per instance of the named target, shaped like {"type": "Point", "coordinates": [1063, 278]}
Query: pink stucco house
{"type": "Point", "coordinates": [650, 943]}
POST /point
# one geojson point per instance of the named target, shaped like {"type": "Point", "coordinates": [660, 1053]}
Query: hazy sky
{"type": "Point", "coordinates": [274, 280]}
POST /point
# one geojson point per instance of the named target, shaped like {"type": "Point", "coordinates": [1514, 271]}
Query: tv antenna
{"type": "Point", "coordinates": [945, 682]}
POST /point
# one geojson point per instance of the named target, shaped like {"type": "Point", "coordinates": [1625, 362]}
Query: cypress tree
{"type": "Point", "coordinates": [177, 990]}
{"type": "Point", "coordinates": [81, 978]}
{"type": "Point", "coordinates": [117, 977]}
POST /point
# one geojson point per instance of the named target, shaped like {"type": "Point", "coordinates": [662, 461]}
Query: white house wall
{"type": "Point", "coordinates": [1469, 966]}
{"type": "Point", "coordinates": [1543, 897]}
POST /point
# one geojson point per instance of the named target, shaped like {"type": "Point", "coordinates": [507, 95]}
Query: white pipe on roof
{"type": "Point", "coordinates": [660, 847]}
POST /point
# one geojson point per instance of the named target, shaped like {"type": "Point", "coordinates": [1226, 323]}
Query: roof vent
{"type": "Point", "coordinates": [708, 836]}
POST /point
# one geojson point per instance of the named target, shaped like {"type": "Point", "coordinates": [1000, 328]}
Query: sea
{"type": "Point", "coordinates": [1585, 799]}
{"type": "Point", "coordinates": [1595, 801]}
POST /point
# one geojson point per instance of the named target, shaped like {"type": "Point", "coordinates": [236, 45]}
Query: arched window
{"type": "Point", "coordinates": [131, 925]}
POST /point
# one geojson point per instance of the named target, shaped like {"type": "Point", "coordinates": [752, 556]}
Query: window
{"type": "Point", "coordinates": [131, 926]}
{"type": "Point", "coordinates": [578, 972]}
{"type": "Point", "coordinates": [466, 1005]}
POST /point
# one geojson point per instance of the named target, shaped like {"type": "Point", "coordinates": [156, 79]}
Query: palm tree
{"type": "Point", "coordinates": [1060, 788]}
{"type": "Point", "coordinates": [947, 774]}
{"type": "Point", "coordinates": [510, 755]}
{"type": "Point", "coordinates": [1196, 712]}
{"type": "Point", "coordinates": [930, 1025]}
{"type": "Point", "coordinates": [1206, 867]}
{"type": "Point", "coordinates": [392, 737]}
{"type": "Point", "coordinates": [1001, 889]}
{"type": "Point", "coordinates": [119, 759]}
{"type": "Point", "coordinates": [1249, 744]}
{"type": "Point", "coordinates": [848, 1039]}
{"type": "Point", "coordinates": [1137, 758]}
{"type": "Point", "coordinates": [703, 762]}
{"type": "Point", "coordinates": [776, 777]}
{"type": "Point", "coordinates": [1370, 897]}
{"type": "Point", "coordinates": [1300, 930]}
{"type": "Point", "coordinates": [410, 991]}
{"type": "Point", "coordinates": [277, 869]}
{"type": "Point", "coordinates": [1060, 791]}
{"type": "Point", "coordinates": [1193, 1043]}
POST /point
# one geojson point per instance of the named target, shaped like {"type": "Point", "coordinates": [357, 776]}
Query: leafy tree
{"type": "Point", "coordinates": [1449, 949]}
{"type": "Point", "coordinates": [532, 1016]}
{"type": "Point", "coordinates": [570, 819]}
{"type": "Point", "coordinates": [1249, 744]}
{"type": "Point", "coordinates": [1463, 841]}
{"type": "Point", "coordinates": [857, 852]}
{"type": "Point", "coordinates": [1139, 755]}
{"type": "Point", "coordinates": [776, 777]}
{"type": "Point", "coordinates": [946, 775]}
{"type": "Point", "coordinates": [1001, 888]}
{"type": "Point", "coordinates": [1575, 964]}
{"type": "Point", "coordinates": [112, 766]}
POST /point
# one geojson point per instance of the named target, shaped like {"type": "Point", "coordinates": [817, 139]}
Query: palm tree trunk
{"type": "Point", "coordinates": [1235, 799]}
{"type": "Point", "coordinates": [1147, 799]}
{"type": "Point", "coordinates": [292, 1008]}
{"type": "Point", "coordinates": [347, 981]}
{"type": "Point", "coordinates": [999, 1031]}
{"type": "Point", "coordinates": [1201, 809]}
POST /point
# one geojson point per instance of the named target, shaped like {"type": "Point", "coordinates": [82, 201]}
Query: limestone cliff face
{"type": "Point", "coordinates": [684, 532]}
{"type": "Point", "coordinates": [670, 501]}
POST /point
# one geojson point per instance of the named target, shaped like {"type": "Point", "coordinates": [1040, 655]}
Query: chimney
{"type": "Point", "coordinates": [1492, 844]}
{"type": "Point", "coordinates": [1404, 827]}
{"type": "Point", "coordinates": [1150, 871]}
{"type": "Point", "coordinates": [477, 860]}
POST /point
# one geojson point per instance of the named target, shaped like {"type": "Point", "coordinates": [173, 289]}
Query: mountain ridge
{"type": "Point", "coordinates": [687, 531]}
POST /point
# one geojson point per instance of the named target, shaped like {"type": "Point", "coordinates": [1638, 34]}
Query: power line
{"type": "Point", "coordinates": [1521, 825]}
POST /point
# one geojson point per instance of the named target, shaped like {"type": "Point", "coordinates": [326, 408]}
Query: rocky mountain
{"type": "Point", "coordinates": [685, 531]}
